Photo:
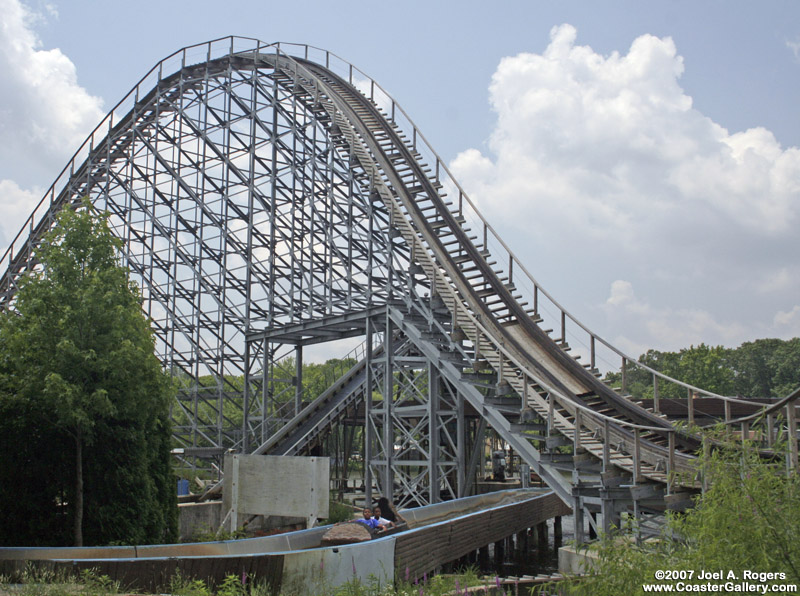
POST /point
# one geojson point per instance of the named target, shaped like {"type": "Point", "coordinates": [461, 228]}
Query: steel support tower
{"type": "Point", "coordinates": [272, 197]}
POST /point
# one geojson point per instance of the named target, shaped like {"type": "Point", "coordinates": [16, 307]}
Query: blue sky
{"type": "Point", "coordinates": [640, 157]}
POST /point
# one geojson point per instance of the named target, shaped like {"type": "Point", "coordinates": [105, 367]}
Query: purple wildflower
{"type": "Point", "coordinates": [408, 572]}
{"type": "Point", "coordinates": [497, 582]}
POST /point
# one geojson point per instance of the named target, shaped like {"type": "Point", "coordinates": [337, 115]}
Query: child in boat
{"type": "Point", "coordinates": [382, 522]}
{"type": "Point", "coordinates": [369, 521]}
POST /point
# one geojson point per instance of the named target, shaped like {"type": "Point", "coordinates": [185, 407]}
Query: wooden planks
{"type": "Point", "coordinates": [421, 551]}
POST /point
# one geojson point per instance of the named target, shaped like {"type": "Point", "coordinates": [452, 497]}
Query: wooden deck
{"type": "Point", "coordinates": [425, 549]}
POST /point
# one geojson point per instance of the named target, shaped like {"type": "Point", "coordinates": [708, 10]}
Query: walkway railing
{"type": "Point", "coordinates": [600, 355]}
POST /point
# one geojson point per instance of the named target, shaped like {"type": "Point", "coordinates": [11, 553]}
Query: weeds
{"type": "Point", "coordinates": [214, 536]}
{"type": "Point", "coordinates": [42, 582]}
{"type": "Point", "coordinates": [186, 586]}
{"type": "Point", "coordinates": [39, 581]}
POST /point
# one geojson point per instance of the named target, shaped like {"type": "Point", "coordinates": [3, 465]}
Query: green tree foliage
{"type": "Point", "coordinates": [747, 520]}
{"type": "Point", "coordinates": [83, 399]}
{"type": "Point", "coordinates": [762, 368]}
{"type": "Point", "coordinates": [317, 377]}
{"type": "Point", "coordinates": [766, 367]}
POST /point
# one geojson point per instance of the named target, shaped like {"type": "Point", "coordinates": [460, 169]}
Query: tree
{"type": "Point", "coordinates": [77, 364]}
{"type": "Point", "coordinates": [762, 368]}
{"type": "Point", "coordinates": [767, 367]}
{"type": "Point", "coordinates": [746, 521]}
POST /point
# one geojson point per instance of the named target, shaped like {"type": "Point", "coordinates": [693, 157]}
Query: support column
{"type": "Point", "coordinates": [577, 513]}
{"type": "Point", "coordinates": [522, 540]}
{"type": "Point", "coordinates": [558, 533]}
{"type": "Point", "coordinates": [637, 516]}
{"type": "Point", "coordinates": [387, 482]}
{"type": "Point", "coordinates": [369, 440]}
{"type": "Point", "coordinates": [433, 433]}
{"type": "Point", "coordinates": [609, 514]}
{"type": "Point", "coordinates": [461, 451]}
{"type": "Point", "coordinates": [246, 400]}
{"type": "Point", "coordinates": [525, 475]}
{"type": "Point", "coordinates": [499, 553]}
{"type": "Point", "coordinates": [541, 535]}
{"type": "Point", "coordinates": [480, 445]}
{"type": "Point", "coordinates": [791, 434]}
{"type": "Point", "coordinates": [265, 363]}
{"type": "Point", "coordinates": [298, 379]}
{"type": "Point", "coordinates": [483, 557]}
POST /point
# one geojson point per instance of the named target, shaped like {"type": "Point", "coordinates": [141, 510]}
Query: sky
{"type": "Point", "coordinates": [642, 159]}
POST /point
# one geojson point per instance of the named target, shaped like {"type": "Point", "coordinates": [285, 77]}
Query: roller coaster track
{"type": "Point", "coordinates": [260, 187]}
{"type": "Point", "coordinates": [482, 305]}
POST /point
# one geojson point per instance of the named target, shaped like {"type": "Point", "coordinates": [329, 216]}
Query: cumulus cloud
{"type": "Point", "coordinates": [789, 320]}
{"type": "Point", "coordinates": [621, 294]}
{"type": "Point", "coordinates": [648, 320]}
{"type": "Point", "coordinates": [16, 204]}
{"type": "Point", "coordinates": [608, 166]}
{"type": "Point", "coordinates": [44, 113]}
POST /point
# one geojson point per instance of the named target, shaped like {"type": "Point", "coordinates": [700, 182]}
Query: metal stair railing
{"type": "Point", "coordinates": [454, 298]}
{"type": "Point", "coordinates": [598, 434]}
{"type": "Point", "coordinates": [544, 306]}
{"type": "Point", "coordinates": [320, 413]}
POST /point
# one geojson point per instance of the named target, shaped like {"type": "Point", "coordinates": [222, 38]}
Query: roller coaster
{"type": "Point", "coordinates": [272, 197]}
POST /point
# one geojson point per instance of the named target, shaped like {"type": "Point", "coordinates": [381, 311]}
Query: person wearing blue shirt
{"type": "Point", "coordinates": [370, 521]}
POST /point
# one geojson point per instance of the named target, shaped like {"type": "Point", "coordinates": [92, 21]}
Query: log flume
{"type": "Point", "coordinates": [296, 561]}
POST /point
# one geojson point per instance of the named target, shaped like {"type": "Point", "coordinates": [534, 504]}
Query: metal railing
{"type": "Point", "coordinates": [567, 330]}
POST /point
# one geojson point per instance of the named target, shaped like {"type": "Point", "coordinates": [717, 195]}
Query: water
{"type": "Point", "coordinates": [532, 560]}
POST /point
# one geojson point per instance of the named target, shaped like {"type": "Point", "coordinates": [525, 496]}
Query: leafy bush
{"type": "Point", "coordinates": [747, 520]}
{"type": "Point", "coordinates": [339, 512]}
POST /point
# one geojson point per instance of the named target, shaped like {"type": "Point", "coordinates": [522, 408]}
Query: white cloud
{"type": "Point", "coordinates": [608, 170]}
{"type": "Point", "coordinates": [789, 320]}
{"type": "Point", "coordinates": [16, 204]}
{"type": "Point", "coordinates": [44, 114]}
{"type": "Point", "coordinates": [621, 294]}
{"type": "Point", "coordinates": [794, 46]}
{"type": "Point", "coordinates": [778, 280]}
{"type": "Point", "coordinates": [672, 327]}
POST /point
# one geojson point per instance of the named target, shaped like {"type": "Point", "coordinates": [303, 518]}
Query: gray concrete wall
{"type": "Point", "coordinates": [286, 486]}
{"type": "Point", "coordinates": [198, 518]}
{"type": "Point", "coordinates": [572, 561]}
